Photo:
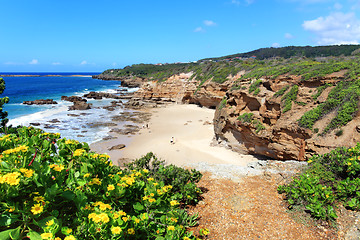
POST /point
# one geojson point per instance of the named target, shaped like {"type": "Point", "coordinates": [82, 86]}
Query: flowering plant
{"type": "Point", "coordinates": [54, 188]}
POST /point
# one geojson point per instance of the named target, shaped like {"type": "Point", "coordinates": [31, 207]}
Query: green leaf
{"type": "Point", "coordinates": [52, 190]}
{"type": "Point", "coordinates": [138, 207]}
{"type": "Point", "coordinates": [68, 195]}
{"type": "Point", "coordinates": [34, 235]}
{"type": "Point", "coordinates": [7, 219]}
{"type": "Point", "coordinates": [5, 235]}
{"type": "Point", "coordinates": [160, 238]}
{"type": "Point", "coordinates": [15, 234]}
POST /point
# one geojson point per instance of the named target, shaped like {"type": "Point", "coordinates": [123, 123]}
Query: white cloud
{"type": "Point", "coordinates": [83, 62]}
{"type": "Point", "coordinates": [34, 61]}
{"type": "Point", "coordinates": [288, 36]}
{"type": "Point", "coordinates": [337, 28]}
{"type": "Point", "coordinates": [275, 45]}
{"type": "Point", "coordinates": [56, 63]}
{"type": "Point", "coordinates": [199, 29]}
{"type": "Point", "coordinates": [209, 23]}
{"type": "Point", "coordinates": [235, 2]}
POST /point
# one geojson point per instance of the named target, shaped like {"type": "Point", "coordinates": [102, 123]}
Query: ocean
{"type": "Point", "coordinates": [84, 126]}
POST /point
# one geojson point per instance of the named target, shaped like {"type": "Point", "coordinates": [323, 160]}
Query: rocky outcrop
{"type": "Point", "coordinates": [272, 132]}
{"type": "Point", "coordinates": [101, 95]}
{"type": "Point", "coordinates": [182, 89]}
{"type": "Point", "coordinates": [40, 102]}
{"type": "Point", "coordinates": [128, 81]}
{"type": "Point", "coordinates": [73, 99]}
{"type": "Point", "coordinates": [80, 105]}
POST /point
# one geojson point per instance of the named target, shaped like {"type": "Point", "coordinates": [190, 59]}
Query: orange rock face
{"type": "Point", "coordinates": [271, 132]}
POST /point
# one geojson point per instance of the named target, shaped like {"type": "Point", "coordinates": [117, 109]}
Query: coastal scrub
{"type": "Point", "coordinates": [54, 188]}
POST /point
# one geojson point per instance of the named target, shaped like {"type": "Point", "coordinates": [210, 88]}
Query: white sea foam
{"type": "Point", "coordinates": [73, 124]}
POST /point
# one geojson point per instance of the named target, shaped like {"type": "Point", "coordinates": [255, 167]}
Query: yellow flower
{"type": "Point", "coordinates": [91, 215]}
{"type": "Point", "coordinates": [79, 152]}
{"type": "Point", "coordinates": [144, 216]}
{"type": "Point", "coordinates": [349, 163]}
{"type": "Point", "coordinates": [46, 236]}
{"type": "Point", "coordinates": [186, 238]}
{"type": "Point", "coordinates": [37, 208]}
{"type": "Point", "coordinates": [205, 231]}
{"type": "Point", "coordinates": [50, 222]}
{"type": "Point", "coordinates": [96, 181]}
{"type": "Point", "coordinates": [11, 209]}
{"type": "Point", "coordinates": [12, 178]}
{"type": "Point", "coordinates": [131, 231]}
{"type": "Point", "coordinates": [104, 206]}
{"type": "Point", "coordinates": [136, 220]}
{"type": "Point", "coordinates": [174, 202]}
{"type": "Point", "coordinates": [39, 199]}
{"type": "Point", "coordinates": [104, 217]}
{"type": "Point", "coordinates": [145, 171]}
{"type": "Point", "coordinates": [150, 179]}
{"type": "Point", "coordinates": [170, 228]}
{"type": "Point", "coordinates": [122, 213]}
{"type": "Point", "coordinates": [70, 237]}
{"type": "Point", "coordinates": [125, 219]}
{"type": "Point", "coordinates": [57, 238]}
{"type": "Point", "coordinates": [27, 172]}
{"type": "Point", "coordinates": [151, 194]}
{"type": "Point", "coordinates": [145, 198]}
{"type": "Point", "coordinates": [68, 230]}
{"type": "Point", "coordinates": [116, 230]}
{"type": "Point", "coordinates": [87, 175]}
{"type": "Point", "coordinates": [151, 200]}
{"type": "Point", "coordinates": [116, 215]}
{"type": "Point", "coordinates": [110, 187]}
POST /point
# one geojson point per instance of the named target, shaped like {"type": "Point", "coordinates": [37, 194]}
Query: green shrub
{"type": "Point", "coordinates": [343, 99]}
{"type": "Point", "coordinates": [290, 97]}
{"type": "Point", "coordinates": [249, 118]}
{"type": "Point", "coordinates": [281, 91]}
{"type": "Point", "coordinates": [319, 90]}
{"type": "Point", "coordinates": [52, 187]}
{"type": "Point", "coordinates": [222, 103]}
{"type": "Point", "coordinates": [246, 117]}
{"type": "Point", "coordinates": [255, 86]}
{"type": "Point", "coordinates": [329, 178]}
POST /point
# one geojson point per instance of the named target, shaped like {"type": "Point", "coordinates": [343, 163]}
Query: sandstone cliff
{"type": "Point", "coordinates": [270, 132]}
{"type": "Point", "coordinates": [182, 89]}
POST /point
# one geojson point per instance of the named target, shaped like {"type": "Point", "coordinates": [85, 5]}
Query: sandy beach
{"type": "Point", "coordinates": [192, 130]}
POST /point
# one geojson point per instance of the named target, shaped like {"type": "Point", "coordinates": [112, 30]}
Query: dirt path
{"type": "Point", "coordinates": [251, 209]}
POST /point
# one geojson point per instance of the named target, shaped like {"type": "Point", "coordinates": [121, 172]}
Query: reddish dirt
{"type": "Point", "coordinates": [251, 209]}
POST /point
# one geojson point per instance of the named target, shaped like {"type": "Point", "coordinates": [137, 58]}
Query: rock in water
{"type": "Point", "coordinates": [40, 102]}
{"type": "Point", "coordinates": [80, 105]}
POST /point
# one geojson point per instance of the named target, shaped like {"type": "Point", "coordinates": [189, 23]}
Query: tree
{"type": "Point", "coordinates": [3, 100]}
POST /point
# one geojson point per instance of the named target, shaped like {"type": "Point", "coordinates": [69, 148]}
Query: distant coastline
{"type": "Point", "coordinates": [38, 75]}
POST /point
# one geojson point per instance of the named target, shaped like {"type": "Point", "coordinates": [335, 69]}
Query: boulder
{"type": "Point", "coordinates": [73, 99]}
{"type": "Point", "coordinates": [40, 102]}
{"type": "Point", "coordinates": [101, 95]}
{"type": "Point", "coordinates": [117, 147]}
{"type": "Point", "coordinates": [80, 105]}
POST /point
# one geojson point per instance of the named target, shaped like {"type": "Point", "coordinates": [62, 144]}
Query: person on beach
{"type": "Point", "coordinates": [172, 141]}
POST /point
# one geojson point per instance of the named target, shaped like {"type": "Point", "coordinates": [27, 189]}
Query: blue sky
{"type": "Point", "coordinates": [79, 35]}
